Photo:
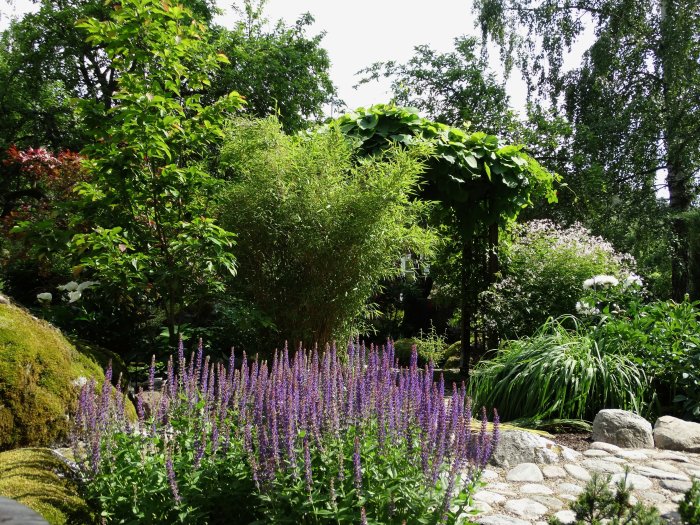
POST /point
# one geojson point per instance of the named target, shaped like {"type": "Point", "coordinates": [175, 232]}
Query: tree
{"type": "Point", "coordinates": [280, 71]}
{"type": "Point", "coordinates": [317, 232]}
{"type": "Point", "coordinates": [149, 195]}
{"type": "Point", "coordinates": [633, 101]}
{"type": "Point", "coordinates": [454, 88]}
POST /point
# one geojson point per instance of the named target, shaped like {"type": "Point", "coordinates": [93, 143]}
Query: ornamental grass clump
{"type": "Point", "coordinates": [314, 438]}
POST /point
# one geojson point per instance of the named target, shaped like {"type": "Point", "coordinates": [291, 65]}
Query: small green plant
{"type": "Point", "coordinates": [430, 345]}
{"type": "Point", "coordinates": [558, 373]}
{"type": "Point", "coordinates": [689, 508]}
{"type": "Point", "coordinates": [600, 504]}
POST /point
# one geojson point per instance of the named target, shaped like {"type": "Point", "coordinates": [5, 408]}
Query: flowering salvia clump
{"type": "Point", "coordinates": [331, 437]}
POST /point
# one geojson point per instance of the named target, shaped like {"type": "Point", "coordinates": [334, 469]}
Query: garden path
{"type": "Point", "coordinates": [530, 493]}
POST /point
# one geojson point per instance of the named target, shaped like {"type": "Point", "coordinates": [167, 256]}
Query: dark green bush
{"type": "Point", "coordinates": [558, 373]}
{"type": "Point", "coordinates": [689, 508]}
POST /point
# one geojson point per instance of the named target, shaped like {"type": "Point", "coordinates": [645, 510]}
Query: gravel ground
{"type": "Point", "coordinates": [579, 441]}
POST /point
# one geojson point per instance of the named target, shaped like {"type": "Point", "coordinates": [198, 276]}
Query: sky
{"type": "Point", "coordinates": [362, 32]}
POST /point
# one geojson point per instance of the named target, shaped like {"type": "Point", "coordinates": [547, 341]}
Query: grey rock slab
{"type": "Point", "coordinates": [566, 516]}
{"type": "Point", "coordinates": [502, 488]}
{"type": "Point", "coordinates": [694, 473]}
{"type": "Point", "coordinates": [659, 474]}
{"type": "Point", "coordinates": [675, 434]}
{"type": "Point", "coordinates": [677, 498]}
{"type": "Point", "coordinates": [596, 453]}
{"type": "Point", "coordinates": [519, 446]}
{"type": "Point", "coordinates": [500, 519]}
{"type": "Point", "coordinates": [671, 456]}
{"type": "Point", "coordinates": [634, 481]}
{"type": "Point", "coordinates": [577, 472]}
{"type": "Point", "coordinates": [662, 465]}
{"type": "Point", "coordinates": [553, 471]}
{"type": "Point", "coordinates": [535, 488]}
{"type": "Point", "coordinates": [569, 454]}
{"type": "Point", "coordinates": [568, 497]}
{"type": "Point", "coordinates": [570, 488]}
{"type": "Point", "coordinates": [602, 466]}
{"type": "Point", "coordinates": [615, 459]}
{"type": "Point", "coordinates": [526, 508]}
{"type": "Point", "coordinates": [622, 428]}
{"type": "Point", "coordinates": [608, 447]}
{"type": "Point", "coordinates": [486, 496]}
{"type": "Point", "coordinates": [548, 501]}
{"type": "Point", "coordinates": [676, 485]}
{"type": "Point", "coordinates": [482, 506]}
{"type": "Point", "coordinates": [488, 475]}
{"type": "Point", "coordinates": [652, 497]}
{"type": "Point", "coordinates": [632, 455]}
{"type": "Point", "coordinates": [525, 472]}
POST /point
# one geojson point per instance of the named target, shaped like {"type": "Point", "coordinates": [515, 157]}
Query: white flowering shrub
{"type": "Point", "coordinates": [544, 267]}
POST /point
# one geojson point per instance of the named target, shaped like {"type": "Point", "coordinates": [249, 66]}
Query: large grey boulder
{"type": "Point", "coordinates": [675, 434]}
{"type": "Point", "coordinates": [622, 428]}
{"type": "Point", "coordinates": [518, 446]}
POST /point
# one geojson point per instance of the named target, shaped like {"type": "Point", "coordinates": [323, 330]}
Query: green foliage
{"type": "Point", "coordinates": [631, 102]}
{"type": "Point", "coordinates": [279, 70]}
{"type": "Point", "coordinates": [663, 338]}
{"type": "Point", "coordinates": [430, 345]}
{"type": "Point", "coordinates": [558, 373]}
{"type": "Point", "coordinates": [689, 507]}
{"type": "Point", "coordinates": [152, 237]}
{"type": "Point", "coordinates": [477, 178]}
{"type": "Point", "coordinates": [599, 504]}
{"type": "Point", "coordinates": [544, 267]}
{"type": "Point", "coordinates": [317, 231]}
{"type": "Point", "coordinates": [40, 480]}
{"type": "Point", "coordinates": [37, 371]}
{"type": "Point", "coordinates": [453, 88]}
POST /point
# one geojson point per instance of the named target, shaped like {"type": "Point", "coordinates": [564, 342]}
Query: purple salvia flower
{"type": "Point", "coordinates": [139, 406]}
{"type": "Point", "coordinates": [357, 465]}
{"type": "Point", "coordinates": [172, 481]}
{"type": "Point", "coordinates": [152, 374]}
{"type": "Point", "coordinates": [363, 516]}
{"type": "Point", "coordinates": [307, 465]}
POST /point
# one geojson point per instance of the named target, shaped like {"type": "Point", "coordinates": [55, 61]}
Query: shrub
{"type": "Point", "coordinates": [544, 267]}
{"type": "Point", "coordinates": [313, 439]}
{"type": "Point", "coordinates": [689, 507]}
{"type": "Point", "coordinates": [558, 373]}
{"type": "Point", "coordinates": [430, 346]}
{"type": "Point", "coordinates": [599, 504]}
{"type": "Point", "coordinates": [317, 231]}
{"type": "Point", "coordinates": [663, 337]}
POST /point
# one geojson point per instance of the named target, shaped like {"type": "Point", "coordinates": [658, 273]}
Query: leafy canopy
{"type": "Point", "coordinates": [152, 235]}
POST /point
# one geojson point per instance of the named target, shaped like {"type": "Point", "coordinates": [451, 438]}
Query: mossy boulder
{"type": "Point", "coordinates": [37, 478]}
{"type": "Point", "coordinates": [39, 374]}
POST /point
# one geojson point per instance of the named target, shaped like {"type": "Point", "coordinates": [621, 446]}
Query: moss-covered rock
{"type": "Point", "coordinates": [39, 373]}
{"type": "Point", "coordinates": [40, 480]}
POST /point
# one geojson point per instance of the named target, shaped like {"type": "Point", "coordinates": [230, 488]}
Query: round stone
{"type": "Point", "coordinates": [492, 498]}
{"type": "Point", "coordinates": [500, 519]}
{"type": "Point", "coordinates": [671, 456]}
{"type": "Point", "coordinates": [652, 497]}
{"type": "Point", "coordinates": [526, 508]}
{"type": "Point", "coordinates": [525, 472]}
{"type": "Point", "coordinates": [676, 485]}
{"type": "Point", "coordinates": [608, 447]}
{"type": "Point", "coordinates": [602, 466]}
{"type": "Point", "coordinates": [570, 488]}
{"type": "Point", "coordinates": [482, 506]}
{"type": "Point", "coordinates": [659, 474]}
{"type": "Point", "coordinates": [553, 471]}
{"type": "Point", "coordinates": [535, 488]}
{"type": "Point", "coordinates": [596, 453]}
{"type": "Point", "coordinates": [548, 501]}
{"type": "Point", "coordinates": [566, 516]}
{"type": "Point", "coordinates": [633, 455]}
{"type": "Point", "coordinates": [577, 471]}
{"type": "Point", "coordinates": [634, 481]}
{"type": "Point", "coordinates": [662, 465]}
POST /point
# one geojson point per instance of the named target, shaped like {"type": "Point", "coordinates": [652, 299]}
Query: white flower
{"type": "Point", "coordinates": [68, 287]}
{"type": "Point", "coordinates": [633, 280]}
{"type": "Point", "coordinates": [600, 281]}
{"type": "Point", "coordinates": [85, 285]}
{"type": "Point", "coordinates": [74, 296]}
{"type": "Point", "coordinates": [584, 308]}
{"type": "Point", "coordinates": [45, 297]}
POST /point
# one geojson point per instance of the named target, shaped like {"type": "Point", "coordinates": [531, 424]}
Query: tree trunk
{"type": "Point", "coordinates": [466, 322]}
{"type": "Point", "coordinates": [678, 178]}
